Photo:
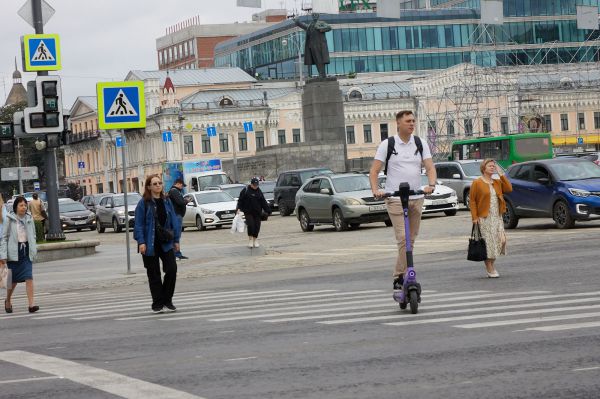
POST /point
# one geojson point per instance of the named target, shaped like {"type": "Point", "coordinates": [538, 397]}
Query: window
{"type": "Point", "coordinates": [468, 127]}
{"type": "Point", "coordinates": [313, 186]}
{"type": "Point", "coordinates": [188, 144]}
{"type": "Point", "coordinates": [486, 126]}
{"type": "Point", "coordinates": [160, 58]}
{"type": "Point", "coordinates": [185, 49]}
{"type": "Point", "coordinates": [296, 135]}
{"type": "Point", "coordinates": [450, 125]}
{"type": "Point", "coordinates": [524, 173]}
{"type": "Point", "coordinates": [581, 120]}
{"type": "Point", "coordinates": [368, 136]}
{"type": "Point", "coordinates": [453, 170]}
{"type": "Point", "coordinates": [355, 95]}
{"type": "Point", "coordinates": [281, 136]}
{"type": "Point", "coordinates": [504, 124]}
{"type": "Point", "coordinates": [547, 123]}
{"type": "Point", "coordinates": [350, 135]}
{"type": "Point", "coordinates": [442, 172]}
{"type": "Point", "coordinates": [225, 102]}
{"type": "Point", "coordinates": [260, 139]}
{"type": "Point", "coordinates": [564, 122]}
{"type": "Point", "coordinates": [596, 120]}
{"type": "Point", "coordinates": [223, 142]}
{"type": "Point", "coordinates": [206, 144]}
{"type": "Point", "coordinates": [383, 131]}
{"type": "Point", "coordinates": [243, 141]}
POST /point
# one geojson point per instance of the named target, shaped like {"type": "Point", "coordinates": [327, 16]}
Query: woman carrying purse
{"type": "Point", "coordinates": [157, 233]}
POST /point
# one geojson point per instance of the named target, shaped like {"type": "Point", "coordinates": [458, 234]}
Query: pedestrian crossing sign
{"type": "Point", "coordinates": [41, 52]}
{"type": "Point", "coordinates": [121, 105]}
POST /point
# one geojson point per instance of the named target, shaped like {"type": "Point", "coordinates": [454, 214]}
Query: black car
{"type": "Point", "coordinates": [288, 184]}
{"type": "Point", "coordinates": [75, 216]}
{"type": "Point", "coordinates": [268, 188]}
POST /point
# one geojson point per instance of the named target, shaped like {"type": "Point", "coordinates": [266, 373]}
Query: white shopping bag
{"type": "Point", "coordinates": [238, 225]}
{"type": "Point", "coordinates": [5, 277]}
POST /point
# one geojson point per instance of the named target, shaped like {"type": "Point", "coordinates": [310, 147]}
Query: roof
{"type": "Point", "coordinates": [90, 101]}
{"type": "Point", "coordinates": [240, 97]}
{"type": "Point", "coordinates": [194, 77]}
{"type": "Point", "coordinates": [17, 94]}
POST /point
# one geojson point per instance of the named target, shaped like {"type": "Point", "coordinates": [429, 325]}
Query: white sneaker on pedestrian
{"type": "Point", "coordinates": [250, 243]}
{"type": "Point", "coordinates": [256, 244]}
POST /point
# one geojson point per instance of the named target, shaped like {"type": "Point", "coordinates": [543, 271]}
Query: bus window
{"type": "Point", "coordinates": [498, 149]}
{"type": "Point", "coordinates": [534, 145]}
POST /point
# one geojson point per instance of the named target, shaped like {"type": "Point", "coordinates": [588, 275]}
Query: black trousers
{"type": "Point", "coordinates": [253, 222]}
{"type": "Point", "coordinates": [162, 291]}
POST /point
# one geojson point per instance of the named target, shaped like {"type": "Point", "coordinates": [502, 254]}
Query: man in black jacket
{"type": "Point", "coordinates": [179, 203]}
{"type": "Point", "coordinates": [253, 203]}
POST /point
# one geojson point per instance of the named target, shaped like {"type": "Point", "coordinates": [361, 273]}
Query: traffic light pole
{"type": "Point", "coordinates": [55, 232]}
{"type": "Point", "coordinates": [124, 189]}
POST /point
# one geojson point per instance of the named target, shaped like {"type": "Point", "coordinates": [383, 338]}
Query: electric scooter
{"type": "Point", "coordinates": [411, 289]}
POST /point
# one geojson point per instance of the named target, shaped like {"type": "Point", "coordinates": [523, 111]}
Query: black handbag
{"type": "Point", "coordinates": [477, 251]}
{"type": "Point", "coordinates": [163, 235]}
{"type": "Point", "coordinates": [264, 216]}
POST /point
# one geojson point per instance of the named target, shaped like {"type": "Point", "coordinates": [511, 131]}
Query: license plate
{"type": "Point", "coordinates": [377, 208]}
{"type": "Point", "coordinates": [80, 222]}
{"type": "Point", "coordinates": [438, 202]}
{"type": "Point", "coordinates": [227, 216]}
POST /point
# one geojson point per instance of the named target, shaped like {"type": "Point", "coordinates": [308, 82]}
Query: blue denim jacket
{"type": "Point", "coordinates": [143, 231]}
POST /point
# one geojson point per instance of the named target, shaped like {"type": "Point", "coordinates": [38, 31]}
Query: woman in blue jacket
{"type": "Point", "coordinates": [157, 233]}
{"type": "Point", "coordinates": [18, 247]}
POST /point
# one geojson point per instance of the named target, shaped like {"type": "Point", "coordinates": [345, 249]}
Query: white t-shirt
{"type": "Point", "coordinates": [404, 165]}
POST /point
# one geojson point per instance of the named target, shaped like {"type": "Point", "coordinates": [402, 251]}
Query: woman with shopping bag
{"type": "Point", "coordinates": [487, 207]}
{"type": "Point", "coordinates": [253, 203]}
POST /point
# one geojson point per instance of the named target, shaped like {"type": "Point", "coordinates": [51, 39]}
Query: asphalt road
{"type": "Point", "coordinates": [330, 331]}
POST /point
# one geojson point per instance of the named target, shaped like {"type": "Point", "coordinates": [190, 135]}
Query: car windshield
{"type": "Point", "coordinates": [132, 199]}
{"type": "Point", "coordinates": [211, 180]}
{"type": "Point", "coordinates": [472, 168]}
{"type": "Point", "coordinates": [575, 170]}
{"type": "Point", "coordinates": [307, 175]}
{"type": "Point", "coordinates": [267, 187]}
{"type": "Point", "coordinates": [211, 198]}
{"type": "Point", "coordinates": [71, 207]}
{"type": "Point", "coordinates": [234, 191]}
{"type": "Point", "coordinates": [351, 183]}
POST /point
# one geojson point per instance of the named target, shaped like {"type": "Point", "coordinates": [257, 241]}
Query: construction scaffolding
{"type": "Point", "coordinates": [502, 88]}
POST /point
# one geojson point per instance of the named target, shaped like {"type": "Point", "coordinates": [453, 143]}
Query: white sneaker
{"type": "Point", "coordinates": [250, 244]}
{"type": "Point", "coordinates": [256, 244]}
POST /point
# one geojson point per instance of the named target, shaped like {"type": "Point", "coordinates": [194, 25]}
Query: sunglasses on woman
{"type": "Point", "coordinates": [156, 183]}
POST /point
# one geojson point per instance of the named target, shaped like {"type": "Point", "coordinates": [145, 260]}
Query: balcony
{"type": "Point", "coordinates": [88, 135]}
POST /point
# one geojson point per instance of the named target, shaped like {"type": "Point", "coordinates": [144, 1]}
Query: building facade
{"type": "Point", "coordinates": [448, 34]}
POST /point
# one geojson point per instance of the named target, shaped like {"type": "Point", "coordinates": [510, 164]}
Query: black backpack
{"type": "Point", "coordinates": [392, 150]}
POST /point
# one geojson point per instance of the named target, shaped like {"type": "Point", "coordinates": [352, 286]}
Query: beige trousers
{"type": "Point", "coordinates": [394, 208]}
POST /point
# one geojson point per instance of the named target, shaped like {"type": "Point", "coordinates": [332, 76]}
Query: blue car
{"type": "Point", "coordinates": [565, 189]}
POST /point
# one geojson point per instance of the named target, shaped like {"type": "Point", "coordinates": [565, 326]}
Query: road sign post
{"type": "Point", "coordinates": [121, 105]}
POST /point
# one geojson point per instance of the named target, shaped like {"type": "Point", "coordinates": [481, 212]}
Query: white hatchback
{"type": "Point", "coordinates": [443, 199]}
{"type": "Point", "coordinates": [209, 208]}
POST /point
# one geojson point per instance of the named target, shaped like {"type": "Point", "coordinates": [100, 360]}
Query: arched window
{"type": "Point", "coordinates": [225, 102]}
{"type": "Point", "coordinates": [355, 95]}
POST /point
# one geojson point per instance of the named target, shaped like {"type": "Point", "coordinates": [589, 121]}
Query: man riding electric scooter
{"type": "Point", "coordinates": [403, 156]}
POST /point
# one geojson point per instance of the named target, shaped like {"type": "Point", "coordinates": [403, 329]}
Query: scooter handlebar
{"type": "Point", "coordinates": [397, 193]}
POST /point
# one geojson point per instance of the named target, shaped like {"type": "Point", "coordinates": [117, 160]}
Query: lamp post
{"type": "Point", "coordinates": [181, 118]}
{"type": "Point", "coordinates": [235, 164]}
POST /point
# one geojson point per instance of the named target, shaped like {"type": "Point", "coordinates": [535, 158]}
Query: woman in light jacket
{"type": "Point", "coordinates": [154, 207]}
{"type": "Point", "coordinates": [487, 207]}
{"type": "Point", "coordinates": [18, 247]}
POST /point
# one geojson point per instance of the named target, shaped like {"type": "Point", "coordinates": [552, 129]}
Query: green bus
{"type": "Point", "coordinates": [506, 150]}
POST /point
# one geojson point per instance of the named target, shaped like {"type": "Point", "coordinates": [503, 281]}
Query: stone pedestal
{"type": "Point", "coordinates": [323, 112]}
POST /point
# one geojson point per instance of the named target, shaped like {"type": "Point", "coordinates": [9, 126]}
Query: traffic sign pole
{"type": "Point", "coordinates": [55, 232]}
{"type": "Point", "coordinates": [124, 162]}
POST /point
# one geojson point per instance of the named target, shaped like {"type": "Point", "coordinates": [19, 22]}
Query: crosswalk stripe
{"type": "Point", "coordinates": [489, 315]}
{"type": "Point", "coordinates": [535, 319]}
{"type": "Point", "coordinates": [563, 327]}
{"type": "Point", "coordinates": [260, 303]}
{"type": "Point", "coordinates": [395, 314]}
{"type": "Point", "coordinates": [143, 304]}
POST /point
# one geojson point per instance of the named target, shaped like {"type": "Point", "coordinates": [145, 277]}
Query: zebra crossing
{"type": "Point", "coordinates": [541, 311]}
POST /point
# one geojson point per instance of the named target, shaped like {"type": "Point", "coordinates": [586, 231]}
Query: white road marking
{"type": "Point", "coordinates": [32, 379]}
{"type": "Point", "coordinates": [563, 327]}
{"type": "Point", "coordinates": [535, 319]}
{"type": "Point", "coordinates": [103, 380]}
{"type": "Point", "coordinates": [588, 368]}
{"type": "Point", "coordinates": [240, 358]}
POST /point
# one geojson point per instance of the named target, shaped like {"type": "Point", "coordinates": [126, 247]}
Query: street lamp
{"type": "Point", "coordinates": [235, 163]}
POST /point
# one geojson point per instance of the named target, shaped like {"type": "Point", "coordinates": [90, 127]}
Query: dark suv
{"type": "Point", "coordinates": [288, 184]}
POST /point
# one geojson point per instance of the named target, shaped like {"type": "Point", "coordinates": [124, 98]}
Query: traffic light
{"type": "Point", "coordinates": [7, 142]}
{"type": "Point", "coordinates": [45, 116]}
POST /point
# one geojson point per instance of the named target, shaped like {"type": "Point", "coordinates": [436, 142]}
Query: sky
{"type": "Point", "coordinates": [104, 40]}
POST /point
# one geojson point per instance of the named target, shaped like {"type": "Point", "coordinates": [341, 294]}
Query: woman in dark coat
{"type": "Point", "coordinates": [253, 203]}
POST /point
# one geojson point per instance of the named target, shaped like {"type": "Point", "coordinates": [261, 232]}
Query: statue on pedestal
{"type": "Point", "coordinates": [315, 46]}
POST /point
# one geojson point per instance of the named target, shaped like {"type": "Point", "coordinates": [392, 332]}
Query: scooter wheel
{"type": "Point", "coordinates": [414, 302]}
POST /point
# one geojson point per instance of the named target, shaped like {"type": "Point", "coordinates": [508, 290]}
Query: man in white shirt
{"type": "Point", "coordinates": [404, 165]}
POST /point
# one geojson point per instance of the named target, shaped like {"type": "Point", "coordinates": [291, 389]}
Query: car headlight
{"type": "Point", "coordinates": [121, 213]}
{"type": "Point", "coordinates": [579, 193]}
{"type": "Point", "coordinates": [453, 193]}
{"type": "Point", "coordinates": [91, 217]}
{"type": "Point", "coordinates": [64, 218]}
{"type": "Point", "coordinates": [352, 201]}
{"type": "Point", "coordinates": [206, 211]}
